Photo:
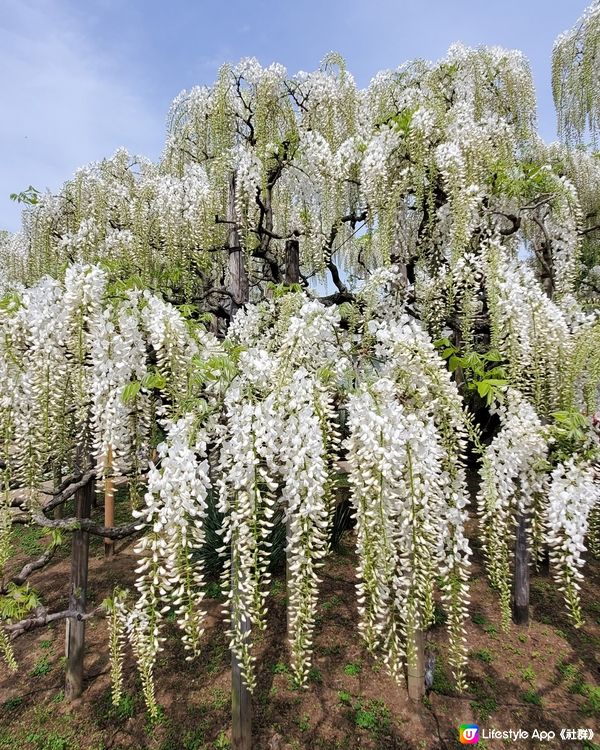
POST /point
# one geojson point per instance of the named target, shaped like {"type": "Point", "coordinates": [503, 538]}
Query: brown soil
{"type": "Point", "coordinates": [539, 677]}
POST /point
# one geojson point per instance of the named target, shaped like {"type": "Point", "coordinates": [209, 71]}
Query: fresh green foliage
{"type": "Point", "coordinates": [530, 696]}
{"type": "Point", "coordinates": [353, 669]}
{"type": "Point", "coordinates": [42, 667]}
{"type": "Point", "coordinates": [483, 373]}
{"type": "Point", "coordinates": [484, 655]}
{"type": "Point", "coordinates": [29, 196]}
{"type": "Point", "coordinates": [571, 434]}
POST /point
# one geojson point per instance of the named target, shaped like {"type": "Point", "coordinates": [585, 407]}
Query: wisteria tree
{"type": "Point", "coordinates": [161, 322]}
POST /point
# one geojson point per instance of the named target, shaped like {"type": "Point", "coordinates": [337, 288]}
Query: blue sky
{"type": "Point", "coordinates": [80, 79]}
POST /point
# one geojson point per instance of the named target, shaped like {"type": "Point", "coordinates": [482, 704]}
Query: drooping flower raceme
{"type": "Point", "coordinates": [169, 578]}
{"type": "Point", "coordinates": [408, 490]}
{"type": "Point", "coordinates": [573, 494]}
{"type": "Point", "coordinates": [512, 484]}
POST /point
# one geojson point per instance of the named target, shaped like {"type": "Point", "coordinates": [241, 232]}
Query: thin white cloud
{"type": "Point", "coordinates": [64, 102]}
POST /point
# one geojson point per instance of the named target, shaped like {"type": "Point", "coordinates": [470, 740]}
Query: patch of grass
{"type": "Point", "coordinates": [278, 587]}
{"type": "Point", "coordinates": [334, 601]}
{"type": "Point", "coordinates": [222, 743]}
{"type": "Point", "coordinates": [29, 539]}
{"type": "Point", "coordinates": [213, 591]}
{"type": "Point", "coordinates": [46, 644]}
{"type": "Point", "coordinates": [531, 697]}
{"type": "Point", "coordinates": [303, 723]}
{"type": "Point", "coordinates": [353, 669]}
{"type": "Point", "coordinates": [280, 668]}
{"type": "Point", "coordinates": [490, 629]}
{"type": "Point", "coordinates": [568, 671]}
{"type": "Point", "coordinates": [522, 637]}
{"type": "Point", "coordinates": [484, 707]}
{"type": "Point", "coordinates": [528, 674]}
{"type": "Point", "coordinates": [218, 657]}
{"type": "Point", "coordinates": [10, 704]}
{"type": "Point", "coordinates": [344, 697]}
{"type": "Point", "coordinates": [153, 721]}
{"type": "Point", "coordinates": [571, 674]}
{"type": "Point", "coordinates": [592, 696]}
{"type": "Point", "coordinates": [373, 716]}
{"type": "Point", "coordinates": [219, 698]}
{"type": "Point", "coordinates": [195, 740]}
{"type": "Point", "coordinates": [439, 615]}
{"type": "Point", "coordinates": [333, 650]}
{"type": "Point", "coordinates": [484, 655]}
{"type": "Point", "coordinates": [52, 741]}
{"type": "Point", "coordinates": [479, 618]}
{"type": "Point", "coordinates": [314, 675]}
{"type": "Point", "coordinates": [41, 668]}
{"type": "Point", "coordinates": [441, 682]}
{"type": "Point", "coordinates": [125, 708]}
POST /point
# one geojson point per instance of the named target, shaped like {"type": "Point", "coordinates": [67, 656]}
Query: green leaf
{"type": "Point", "coordinates": [492, 356]}
{"type": "Point", "coordinates": [483, 388]}
{"type": "Point", "coordinates": [454, 362]}
{"type": "Point", "coordinates": [131, 391]}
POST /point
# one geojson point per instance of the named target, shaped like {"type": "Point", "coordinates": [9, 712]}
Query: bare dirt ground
{"type": "Point", "coordinates": [543, 677]}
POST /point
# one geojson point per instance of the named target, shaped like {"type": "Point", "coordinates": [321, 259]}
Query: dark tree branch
{"type": "Point", "coordinates": [514, 220]}
{"type": "Point", "coordinates": [31, 567]}
{"type": "Point", "coordinates": [44, 618]}
{"type": "Point", "coordinates": [86, 524]}
{"type": "Point", "coordinates": [335, 276]}
{"type": "Point", "coordinates": [66, 490]}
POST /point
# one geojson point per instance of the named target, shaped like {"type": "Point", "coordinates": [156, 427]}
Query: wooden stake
{"type": "Point", "coordinates": [109, 504]}
{"type": "Point", "coordinates": [521, 577]}
{"type": "Point", "coordinates": [75, 635]}
{"type": "Point", "coordinates": [292, 261]}
{"type": "Point", "coordinates": [416, 668]}
{"type": "Point", "coordinates": [241, 704]}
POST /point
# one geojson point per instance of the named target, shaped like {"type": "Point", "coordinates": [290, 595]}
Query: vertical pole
{"type": "Point", "coordinates": [292, 261]}
{"type": "Point", "coordinates": [521, 577]}
{"type": "Point", "coordinates": [75, 636]}
{"type": "Point", "coordinates": [416, 667]}
{"type": "Point", "coordinates": [241, 706]}
{"type": "Point", "coordinates": [109, 503]}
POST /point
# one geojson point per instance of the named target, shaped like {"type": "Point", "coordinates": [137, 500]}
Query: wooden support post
{"type": "Point", "coordinates": [109, 503]}
{"type": "Point", "coordinates": [75, 635]}
{"type": "Point", "coordinates": [241, 704]}
{"type": "Point", "coordinates": [292, 261]}
{"type": "Point", "coordinates": [521, 577]}
{"type": "Point", "coordinates": [416, 667]}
